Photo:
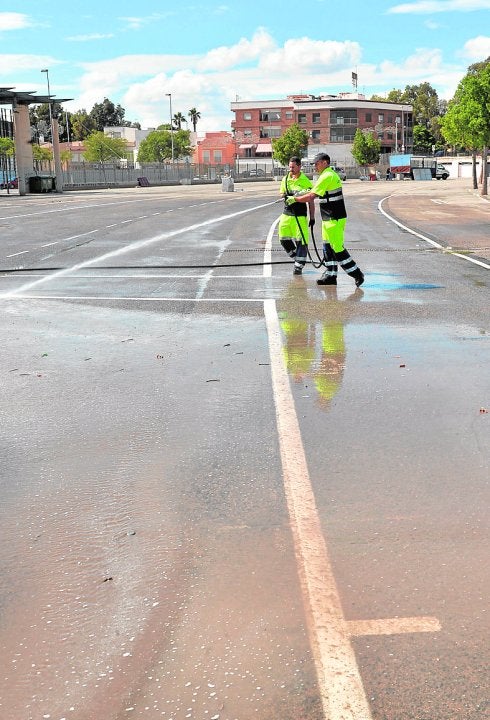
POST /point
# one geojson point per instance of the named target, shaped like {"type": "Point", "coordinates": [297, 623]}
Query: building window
{"type": "Point", "coordinates": [315, 136]}
{"type": "Point", "coordinates": [369, 117]}
{"type": "Point", "coordinates": [381, 117]}
{"type": "Point", "coordinates": [389, 136]}
{"type": "Point", "coordinates": [302, 118]}
{"type": "Point", "coordinates": [390, 118]}
{"type": "Point", "coordinates": [205, 156]}
{"type": "Point", "coordinates": [269, 115]}
{"type": "Point", "coordinates": [289, 114]}
{"type": "Point", "coordinates": [247, 132]}
{"type": "Point", "coordinates": [343, 117]}
{"type": "Point", "coordinates": [247, 115]}
{"type": "Point", "coordinates": [345, 134]}
{"type": "Point", "coordinates": [315, 118]}
{"type": "Point", "coordinates": [217, 156]}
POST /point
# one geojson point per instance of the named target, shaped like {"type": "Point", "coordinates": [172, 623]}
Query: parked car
{"type": "Point", "coordinates": [10, 184]}
{"type": "Point", "coordinates": [340, 172]}
{"type": "Point", "coordinates": [254, 173]}
{"type": "Point", "coordinates": [441, 173]}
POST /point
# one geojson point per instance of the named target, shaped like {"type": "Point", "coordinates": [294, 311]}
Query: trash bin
{"type": "Point", "coordinates": [41, 183]}
{"type": "Point", "coordinates": [227, 184]}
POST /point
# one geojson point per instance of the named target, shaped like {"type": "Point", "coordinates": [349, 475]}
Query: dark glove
{"type": "Point", "coordinates": [312, 222]}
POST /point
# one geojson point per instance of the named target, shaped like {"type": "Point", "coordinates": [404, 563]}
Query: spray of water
{"type": "Point", "coordinates": [128, 248]}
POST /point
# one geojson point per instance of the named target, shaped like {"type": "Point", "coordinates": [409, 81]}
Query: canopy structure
{"type": "Point", "coordinates": [20, 101]}
{"type": "Point", "coordinates": [10, 96]}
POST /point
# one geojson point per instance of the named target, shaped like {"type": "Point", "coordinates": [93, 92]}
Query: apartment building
{"type": "Point", "coordinates": [331, 122]}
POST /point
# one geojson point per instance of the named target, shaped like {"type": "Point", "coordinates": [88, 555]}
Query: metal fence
{"type": "Point", "coordinates": [77, 175]}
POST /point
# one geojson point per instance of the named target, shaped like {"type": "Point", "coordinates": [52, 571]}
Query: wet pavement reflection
{"type": "Point", "coordinates": [313, 321]}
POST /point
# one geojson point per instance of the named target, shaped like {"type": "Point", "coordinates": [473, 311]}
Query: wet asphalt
{"type": "Point", "coordinates": [149, 568]}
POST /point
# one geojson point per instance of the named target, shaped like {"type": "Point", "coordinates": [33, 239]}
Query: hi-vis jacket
{"type": "Point", "coordinates": [328, 187]}
{"type": "Point", "coordinates": [291, 186]}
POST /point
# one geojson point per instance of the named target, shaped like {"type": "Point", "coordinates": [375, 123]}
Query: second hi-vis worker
{"type": "Point", "coordinates": [328, 188]}
{"type": "Point", "coordinates": [293, 230]}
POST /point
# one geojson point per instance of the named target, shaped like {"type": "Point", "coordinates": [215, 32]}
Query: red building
{"type": "Point", "coordinates": [215, 148]}
{"type": "Point", "coordinates": [331, 122]}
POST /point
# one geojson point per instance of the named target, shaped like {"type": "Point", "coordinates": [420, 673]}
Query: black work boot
{"type": "Point", "coordinates": [327, 280]}
{"type": "Point", "coordinates": [358, 276]}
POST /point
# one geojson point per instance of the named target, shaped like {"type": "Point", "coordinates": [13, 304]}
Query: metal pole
{"type": "Point", "coordinates": [49, 104]}
{"type": "Point", "coordinates": [169, 95]}
{"type": "Point", "coordinates": [67, 129]}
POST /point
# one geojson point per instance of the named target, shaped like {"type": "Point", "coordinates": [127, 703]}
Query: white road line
{"type": "Point", "coordinates": [51, 243]}
{"type": "Point", "coordinates": [431, 242]}
{"type": "Point", "coordinates": [22, 252]}
{"type": "Point", "coordinates": [340, 683]}
{"type": "Point", "coordinates": [267, 271]}
{"type": "Point", "coordinates": [147, 299]}
{"type": "Point", "coordinates": [137, 245]}
{"type": "Point", "coordinates": [393, 626]}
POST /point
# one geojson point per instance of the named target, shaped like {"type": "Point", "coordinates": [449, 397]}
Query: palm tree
{"type": "Point", "coordinates": [194, 116]}
{"type": "Point", "coordinates": [178, 119]}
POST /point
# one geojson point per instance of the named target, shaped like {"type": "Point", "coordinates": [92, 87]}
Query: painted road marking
{"type": "Point", "coordinates": [137, 245]}
{"type": "Point", "coordinates": [393, 626]}
{"type": "Point", "coordinates": [431, 242]}
{"type": "Point", "coordinates": [22, 252]}
{"type": "Point", "coordinates": [339, 681]}
{"type": "Point", "coordinates": [9, 296]}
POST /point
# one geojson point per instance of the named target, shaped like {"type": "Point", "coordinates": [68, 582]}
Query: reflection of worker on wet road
{"type": "Point", "coordinates": [314, 338]}
{"type": "Point", "coordinates": [293, 229]}
{"type": "Point", "coordinates": [328, 188]}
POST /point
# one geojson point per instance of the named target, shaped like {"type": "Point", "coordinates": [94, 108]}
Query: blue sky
{"type": "Point", "coordinates": [209, 54]}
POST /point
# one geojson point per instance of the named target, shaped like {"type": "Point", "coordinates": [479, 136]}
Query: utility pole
{"type": "Point", "coordinates": [169, 95]}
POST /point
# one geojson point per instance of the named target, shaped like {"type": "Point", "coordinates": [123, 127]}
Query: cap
{"type": "Point", "coordinates": [321, 156]}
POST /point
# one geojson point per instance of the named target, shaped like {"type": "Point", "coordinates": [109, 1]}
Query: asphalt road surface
{"type": "Point", "coordinates": [229, 493]}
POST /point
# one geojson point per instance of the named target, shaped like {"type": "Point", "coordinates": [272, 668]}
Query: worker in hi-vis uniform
{"type": "Point", "coordinates": [328, 188]}
{"type": "Point", "coordinates": [293, 227]}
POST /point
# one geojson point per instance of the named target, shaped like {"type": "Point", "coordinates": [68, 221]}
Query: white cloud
{"type": "Point", "coordinates": [436, 6]}
{"type": "Point", "coordinates": [315, 56]}
{"type": "Point", "coordinates": [137, 22]}
{"type": "Point", "coordinates": [13, 64]}
{"type": "Point", "coordinates": [86, 38]}
{"type": "Point", "coordinates": [14, 21]}
{"type": "Point", "coordinates": [253, 68]}
{"type": "Point", "coordinates": [477, 49]}
{"type": "Point", "coordinates": [241, 53]}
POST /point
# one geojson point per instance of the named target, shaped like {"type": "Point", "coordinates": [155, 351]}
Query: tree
{"type": "Point", "coordinates": [366, 148]}
{"type": "Point", "coordinates": [41, 154]}
{"type": "Point", "coordinates": [467, 121]}
{"type": "Point", "coordinates": [424, 101]}
{"type": "Point", "coordinates": [178, 119]}
{"type": "Point", "coordinates": [100, 148]}
{"type": "Point", "coordinates": [194, 116]}
{"type": "Point", "coordinates": [157, 146]}
{"type": "Point", "coordinates": [81, 124]}
{"type": "Point", "coordinates": [7, 147]}
{"type": "Point", "coordinates": [292, 142]}
{"type": "Point", "coordinates": [106, 114]}
{"type": "Point", "coordinates": [423, 140]}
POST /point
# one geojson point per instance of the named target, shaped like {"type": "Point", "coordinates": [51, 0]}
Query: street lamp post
{"type": "Point", "coordinates": [49, 105]}
{"type": "Point", "coordinates": [169, 95]}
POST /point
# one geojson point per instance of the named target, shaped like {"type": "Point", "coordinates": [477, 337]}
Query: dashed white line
{"type": "Point", "coordinates": [22, 252]}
